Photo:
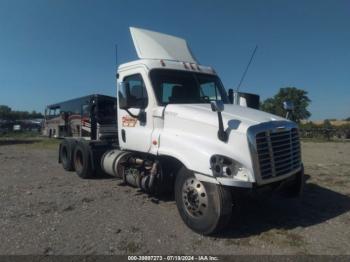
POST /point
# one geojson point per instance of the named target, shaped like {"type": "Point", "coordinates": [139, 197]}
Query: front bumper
{"type": "Point", "coordinates": [297, 176]}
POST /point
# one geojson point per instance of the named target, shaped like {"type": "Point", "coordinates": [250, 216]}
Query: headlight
{"type": "Point", "coordinates": [223, 166]}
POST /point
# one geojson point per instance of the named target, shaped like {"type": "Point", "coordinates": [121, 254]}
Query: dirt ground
{"type": "Point", "coordinates": [46, 210]}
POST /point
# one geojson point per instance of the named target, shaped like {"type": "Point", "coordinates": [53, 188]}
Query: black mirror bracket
{"type": "Point", "coordinates": [141, 116]}
{"type": "Point", "coordinates": [222, 135]}
{"type": "Point", "coordinates": [218, 106]}
{"type": "Point", "coordinates": [288, 106]}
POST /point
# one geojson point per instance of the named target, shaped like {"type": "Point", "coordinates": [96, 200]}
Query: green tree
{"type": "Point", "coordinates": [299, 97]}
{"type": "Point", "coordinates": [5, 112]}
{"type": "Point", "coordinates": [327, 124]}
{"type": "Point", "coordinates": [308, 126]}
{"type": "Point", "coordinates": [35, 114]}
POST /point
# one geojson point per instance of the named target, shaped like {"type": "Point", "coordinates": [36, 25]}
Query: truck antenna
{"type": "Point", "coordinates": [116, 56]}
{"type": "Point", "coordinates": [246, 69]}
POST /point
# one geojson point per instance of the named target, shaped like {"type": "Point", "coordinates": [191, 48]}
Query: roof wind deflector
{"type": "Point", "coordinates": [154, 45]}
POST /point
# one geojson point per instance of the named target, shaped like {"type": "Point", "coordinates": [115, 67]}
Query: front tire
{"type": "Point", "coordinates": [206, 208]}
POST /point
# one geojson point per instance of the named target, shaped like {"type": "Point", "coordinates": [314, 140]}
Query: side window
{"type": "Point", "coordinates": [138, 93]}
{"type": "Point", "coordinates": [167, 92]}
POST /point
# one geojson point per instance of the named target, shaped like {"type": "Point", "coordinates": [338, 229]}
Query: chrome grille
{"type": "Point", "coordinates": [278, 152]}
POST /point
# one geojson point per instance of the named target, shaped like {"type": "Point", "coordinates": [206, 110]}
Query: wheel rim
{"type": "Point", "coordinates": [194, 197]}
{"type": "Point", "coordinates": [78, 161]}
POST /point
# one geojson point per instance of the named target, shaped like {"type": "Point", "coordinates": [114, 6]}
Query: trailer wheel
{"type": "Point", "coordinates": [205, 208]}
{"type": "Point", "coordinates": [82, 161]}
{"type": "Point", "coordinates": [66, 150]}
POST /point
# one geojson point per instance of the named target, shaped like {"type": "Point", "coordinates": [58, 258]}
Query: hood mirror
{"type": "Point", "coordinates": [218, 106]}
{"type": "Point", "coordinates": [289, 107]}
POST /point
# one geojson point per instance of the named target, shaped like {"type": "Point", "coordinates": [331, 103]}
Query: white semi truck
{"type": "Point", "coordinates": [178, 131]}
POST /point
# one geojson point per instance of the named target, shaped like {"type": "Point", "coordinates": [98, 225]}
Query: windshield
{"type": "Point", "coordinates": [181, 87]}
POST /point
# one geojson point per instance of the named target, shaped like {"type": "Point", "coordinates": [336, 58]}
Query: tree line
{"type": "Point", "coordinates": [299, 97]}
{"type": "Point", "coordinates": [6, 113]}
{"type": "Point", "coordinates": [301, 102]}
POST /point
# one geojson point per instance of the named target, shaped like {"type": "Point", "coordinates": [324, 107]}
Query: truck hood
{"type": "Point", "coordinates": [234, 116]}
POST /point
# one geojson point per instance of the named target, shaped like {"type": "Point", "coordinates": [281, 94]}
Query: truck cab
{"type": "Point", "coordinates": [165, 108]}
{"type": "Point", "coordinates": [179, 130]}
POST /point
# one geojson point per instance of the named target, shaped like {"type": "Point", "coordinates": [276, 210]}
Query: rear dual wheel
{"type": "Point", "coordinates": [82, 161]}
{"type": "Point", "coordinates": [66, 151]}
{"type": "Point", "coordinates": [206, 208]}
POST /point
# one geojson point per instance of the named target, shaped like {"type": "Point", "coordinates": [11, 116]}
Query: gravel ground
{"type": "Point", "coordinates": [46, 210]}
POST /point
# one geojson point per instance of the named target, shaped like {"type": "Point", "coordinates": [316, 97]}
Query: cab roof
{"type": "Point", "coordinates": [166, 64]}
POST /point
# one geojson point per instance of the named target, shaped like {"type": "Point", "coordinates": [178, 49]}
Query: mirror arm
{"type": "Point", "coordinates": [141, 116]}
{"type": "Point", "coordinates": [222, 135]}
{"type": "Point", "coordinates": [131, 114]}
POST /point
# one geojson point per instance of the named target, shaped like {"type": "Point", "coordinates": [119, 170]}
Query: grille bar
{"type": "Point", "coordinates": [278, 152]}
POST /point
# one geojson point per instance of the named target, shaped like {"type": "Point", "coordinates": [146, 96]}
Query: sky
{"type": "Point", "coordinates": [54, 50]}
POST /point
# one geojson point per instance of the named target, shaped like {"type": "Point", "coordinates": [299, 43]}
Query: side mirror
{"type": "Point", "coordinates": [230, 95]}
{"type": "Point", "coordinates": [288, 105]}
{"type": "Point", "coordinates": [217, 106]}
{"type": "Point", "coordinates": [125, 102]}
{"type": "Point", "coordinates": [124, 96]}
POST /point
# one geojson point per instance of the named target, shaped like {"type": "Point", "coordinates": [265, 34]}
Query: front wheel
{"type": "Point", "coordinates": [205, 208]}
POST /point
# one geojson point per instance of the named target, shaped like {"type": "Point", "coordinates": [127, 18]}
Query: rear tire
{"type": "Point", "coordinates": [82, 161]}
{"type": "Point", "coordinates": [206, 208]}
{"type": "Point", "coordinates": [66, 151]}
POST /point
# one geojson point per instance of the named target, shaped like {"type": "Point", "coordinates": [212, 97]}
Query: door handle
{"type": "Point", "coordinates": [123, 135]}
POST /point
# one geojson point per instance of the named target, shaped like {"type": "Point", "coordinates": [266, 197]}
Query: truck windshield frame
{"type": "Point", "coordinates": [186, 87]}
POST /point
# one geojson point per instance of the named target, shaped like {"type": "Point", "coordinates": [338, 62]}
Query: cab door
{"type": "Point", "coordinates": [135, 133]}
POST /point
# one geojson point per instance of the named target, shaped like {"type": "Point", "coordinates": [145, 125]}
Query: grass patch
{"type": "Point", "coordinates": [33, 142]}
{"type": "Point", "coordinates": [20, 135]}
{"type": "Point", "coordinates": [46, 143]}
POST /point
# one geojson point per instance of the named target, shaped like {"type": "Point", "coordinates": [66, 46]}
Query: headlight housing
{"type": "Point", "coordinates": [223, 166]}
